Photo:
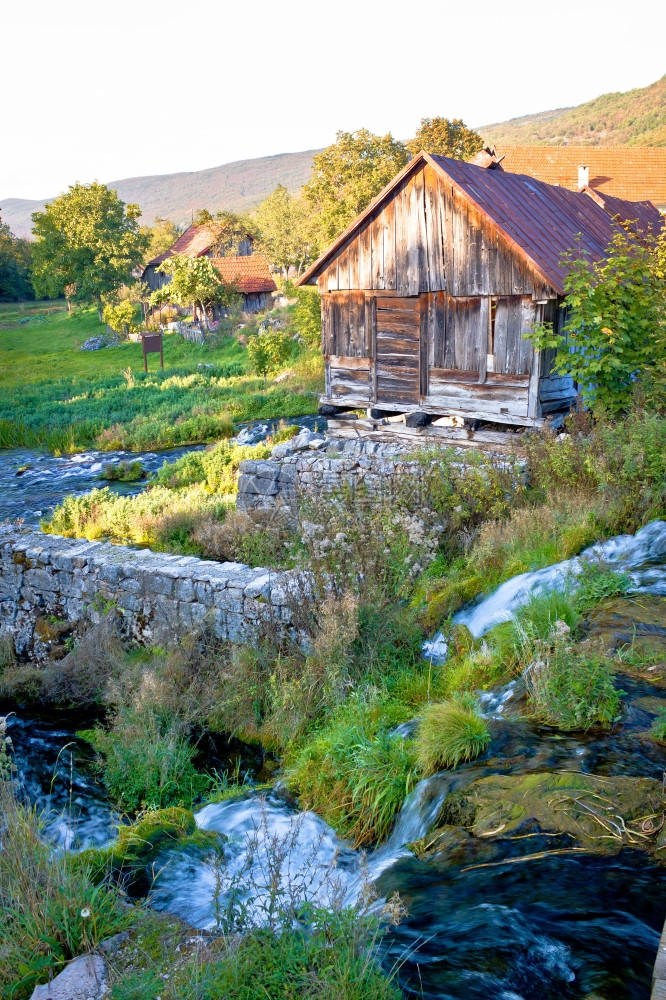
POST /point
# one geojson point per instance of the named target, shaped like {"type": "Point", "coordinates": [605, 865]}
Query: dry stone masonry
{"type": "Point", "coordinates": [310, 464]}
{"type": "Point", "coordinates": [47, 579]}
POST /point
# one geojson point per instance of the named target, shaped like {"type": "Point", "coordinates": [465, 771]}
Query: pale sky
{"type": "Point", "coordinates": [106, 91]}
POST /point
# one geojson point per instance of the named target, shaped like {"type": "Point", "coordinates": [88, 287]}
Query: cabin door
{"type": "Point", "coordinates": [397, 350]}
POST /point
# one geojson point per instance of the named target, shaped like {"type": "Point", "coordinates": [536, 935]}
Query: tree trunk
{"type": "Point", "coordinates": [204, 317]}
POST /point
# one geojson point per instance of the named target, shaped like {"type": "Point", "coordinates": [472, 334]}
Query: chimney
{"type": "Point", "coordinates": [583, 177]}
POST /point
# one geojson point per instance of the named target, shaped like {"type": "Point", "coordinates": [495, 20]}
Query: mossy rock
{"type": "Point", "coordinates": [51, 629]}
{"type": "Point", "coordinates": [599, 813]}
{"type": "Point", "coordinates": [639, 620]}
{"type": "Point", "coordinates": [130, 856]}
{"type": "Point", "coordinates": [449, 598]}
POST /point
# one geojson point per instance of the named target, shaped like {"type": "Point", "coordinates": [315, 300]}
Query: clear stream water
{"type": "Point", "coordinates": [579, 927]}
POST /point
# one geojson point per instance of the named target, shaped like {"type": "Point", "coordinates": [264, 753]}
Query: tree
{"type": "Point", "coordinates": [347, 175]}
{"type": "Point", "coordinates": [121, 317]}
{"type": "Point", "coordinates": [88, 238]}
{"type": "Point", "coordinates": [287, 234]}
{"type": "Point", "coordinates": [615, 333]}
{"type": "Point", "coordinates": [194, 281]}
{"type": "Point", "coordinates": [269, 350]}
{"type": "Point", "coordinates": [307, 316]}
{"type": "Point", "coordinates": [15, 260]}
{"type": "Point", "coordinates": [444, 137]}
{"type": "Point", "coordinates": [161, 235]}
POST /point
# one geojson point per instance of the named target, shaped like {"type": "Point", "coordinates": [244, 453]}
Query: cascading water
{"type": "Point", "coordinates": [487, 918]}
{"type": "Point", "coordinates": [642, 556]}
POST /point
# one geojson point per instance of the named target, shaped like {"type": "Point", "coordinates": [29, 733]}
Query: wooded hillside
{"type": "Point", "coordinates": [634, 118]}
{"type": "Point", "coordinates": [235, 187]}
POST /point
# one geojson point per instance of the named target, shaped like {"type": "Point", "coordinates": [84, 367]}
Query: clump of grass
{"type": "Point", "coordinates": [572, 687]}
{"type": "Point", "coordinates": [51, 907]}
{"type": "Point", "coordinates": [658, 728]}
{"type": "Point", "coordinates": [353, 771]}
{"type": "Point", "coordinates": [123, 472]}
{"type": "Point", "coordinates": [450, 732]}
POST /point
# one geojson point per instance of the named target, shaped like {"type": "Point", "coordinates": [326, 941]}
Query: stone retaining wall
{"type": "Point", "coordinates": [311, 463]}
{"type": "Point", "coordinates": [160, 596]}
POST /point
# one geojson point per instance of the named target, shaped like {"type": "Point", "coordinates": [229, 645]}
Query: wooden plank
{"type": "Point", "coordinates": [398, 302]}
{"type": "Point", "coordinates": [341, 361]}
{"type": "Point", "coordinates": [343, 270]}
{"type": "Point", "coordinates": [350, 377]}
{"type": "Point", "coordinates": [331, 273]}
{"type": "Point", "coordinates": [435, 257]}
{"type": "Point", "coordinates": [401, 201]}
{"type": "Point", "coordinates": [352, 253]}
{"type": "Point", "coordinates": [365, 257]}
{"type": "Point", "coordinates": [533, 408]}
{"type": "Point", "coordinates": [494, 394]}
{"type": "Point", "coordinates": [377, 250]}
{"type": "Point", "coordinates": [424, 350]}
{"type": "Point", "coordinates": [454, 375]}
{"type": "Point", "coordinates": [388, 216]}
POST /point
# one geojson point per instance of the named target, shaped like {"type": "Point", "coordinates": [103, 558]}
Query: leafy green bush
{"type": "Point", "coordinates": [123, 472]}
{"type": "Point", "coordinates": [268, 351]}
{"type": "Point", "coordinates": [658, 729]}
{"type": "Point", "coordinates": [616, 320]}
{"type": "Point", "coordinates": [307, 316]}
{"type": "Point", "coordinates": [449, 733]}
{"type": "Point", "coordinates": [215, 469]}
{"type": "Point", "coordinates": [146, 759]}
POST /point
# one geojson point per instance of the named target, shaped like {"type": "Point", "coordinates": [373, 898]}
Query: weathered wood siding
{"type": "Point", "coordinates": [426, 306]}
{"type": "Point", "coordinates": [428, 238]}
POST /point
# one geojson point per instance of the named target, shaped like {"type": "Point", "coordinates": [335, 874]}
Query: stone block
{"type": "Point", "coordinates": [184, 589]}
{"type": "Point", "coordinates": [156, 584]}
{"type": "Point", "coordinates": [229, 599]}
{"type": "Point", "coordinates": [40, 579]}
{"type": "Point", "coordinates": [259, 587]}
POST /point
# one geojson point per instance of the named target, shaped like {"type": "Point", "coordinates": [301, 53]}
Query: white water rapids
{"type": "Point", "coordinates": [642, 556]}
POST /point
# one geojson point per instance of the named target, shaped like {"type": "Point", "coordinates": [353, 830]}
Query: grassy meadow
{"type": "Point", "coordinates": [54, 395]}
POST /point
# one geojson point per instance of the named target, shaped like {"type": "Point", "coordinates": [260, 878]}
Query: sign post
{"type": "Point", "coordinates": [152, 344]}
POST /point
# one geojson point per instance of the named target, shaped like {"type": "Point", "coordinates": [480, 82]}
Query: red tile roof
{"type": "Point", "coordinates": [250, 274]}
{"type": "Point", "coordinates": [195, 242]}
{"type": "Point", "coordinates": [540, 221]}
{"type": "Point", "coordinates": [634, 173]}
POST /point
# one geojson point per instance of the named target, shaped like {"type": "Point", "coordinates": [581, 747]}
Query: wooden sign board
{"type": "Point", "coordinates": [152, 344]}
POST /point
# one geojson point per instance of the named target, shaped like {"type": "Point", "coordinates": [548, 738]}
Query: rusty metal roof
{"type": "Point", "coordinates": [540, 221]}
{"type": "Point", "coordinates": [249, 274]}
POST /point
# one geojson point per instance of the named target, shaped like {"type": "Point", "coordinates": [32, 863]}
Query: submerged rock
{"type": "Point", "coordinates": [639, 620]}
{"type": "Point", "coordinates": [599, 813]}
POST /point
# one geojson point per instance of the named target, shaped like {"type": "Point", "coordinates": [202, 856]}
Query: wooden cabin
{"type": "Point", "coordinates": [427, 296]}
{"type": "Point", "coordinates": [196, 241]}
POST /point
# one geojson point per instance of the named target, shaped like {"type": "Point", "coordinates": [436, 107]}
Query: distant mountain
{"type": "Point", "coordinates": [635, 118]}
{"type": "Point", "coordinates": [237, 186]}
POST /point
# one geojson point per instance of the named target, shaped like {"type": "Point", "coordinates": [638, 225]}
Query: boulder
{"type": "Point", "coordinates": [85, 978]}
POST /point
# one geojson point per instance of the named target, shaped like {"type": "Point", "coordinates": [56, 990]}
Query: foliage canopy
{"type": "Point", "coordinates": [446, 137]}
{"type": "Point", "coordinates": [287, 231]}
{"type": "Point", "coordinates": [15, 259]}
{"type": "Point", "coordinates": [348, 174]}
{"type": "Point", "coordinates": [615, 332]}
{"type": "Point", "coordinates": [88, 238]}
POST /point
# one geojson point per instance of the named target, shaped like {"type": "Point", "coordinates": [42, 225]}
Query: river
{"type": "Point", "coordinates": [482, 922]}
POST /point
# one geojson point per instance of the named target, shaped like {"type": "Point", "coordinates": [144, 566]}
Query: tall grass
{"type": "Point", "coordinates": [51, 908]}
{"type": "Point", "coordinates": [449, 733]}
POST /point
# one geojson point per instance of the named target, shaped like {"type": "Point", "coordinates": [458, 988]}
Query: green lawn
{"type": "Point", "coordinates": [52, 394]}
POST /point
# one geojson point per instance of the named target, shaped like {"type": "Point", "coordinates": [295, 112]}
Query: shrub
{"type": "Point", "coordinates": [658, 729]}
{"type": "Point", "coordinates": [146, 760]}
{"type": "Point", "coordinates": [124, 472]}
{"type": "Point", "coordinates": [215, 469]}
{"type": "Point", "coordinates": [616, 319]}
{"type": "Point", "coordinates": [449, 733]}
